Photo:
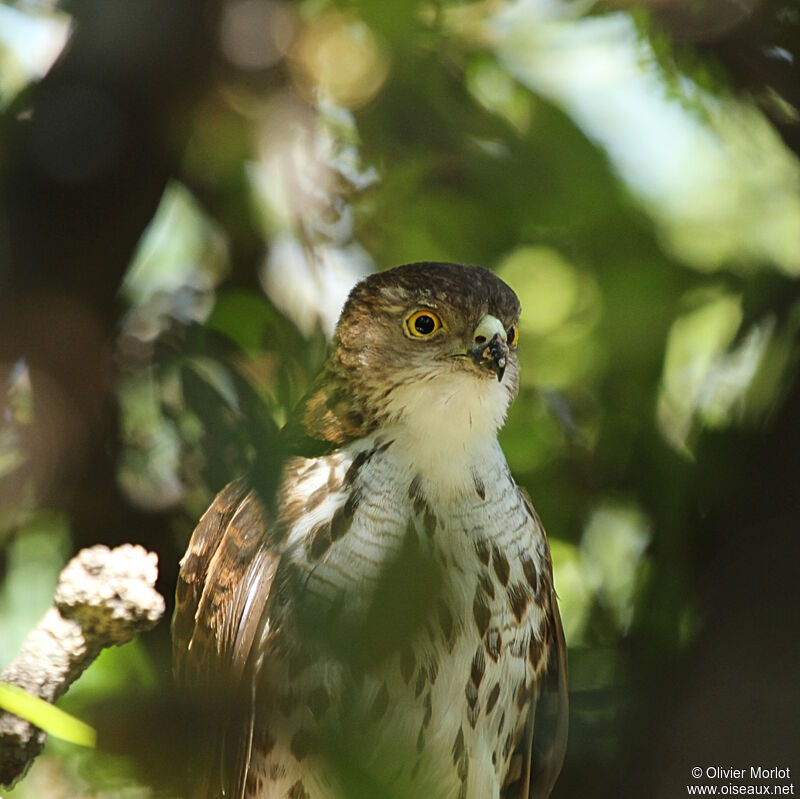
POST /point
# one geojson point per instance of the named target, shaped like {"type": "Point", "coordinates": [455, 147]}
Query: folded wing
{"type": "Point", "coordinates": [221, 614]}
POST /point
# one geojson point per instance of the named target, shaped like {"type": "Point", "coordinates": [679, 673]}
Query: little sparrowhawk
{"type": "Point", "coordinates": [387, 626]}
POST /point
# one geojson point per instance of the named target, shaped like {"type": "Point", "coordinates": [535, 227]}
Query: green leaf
{"type": "Point", "coordinates": [46, 716]}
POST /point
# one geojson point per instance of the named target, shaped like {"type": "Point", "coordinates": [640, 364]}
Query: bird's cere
{"type": "Point", "coordinates": [489, 327]}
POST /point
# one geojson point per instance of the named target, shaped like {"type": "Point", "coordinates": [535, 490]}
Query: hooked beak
{"type": "Point", "coordinates": [490, 350]}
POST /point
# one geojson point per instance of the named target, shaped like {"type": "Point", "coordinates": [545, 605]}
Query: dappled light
{"type": "Point", "coordinates": [34, 557]}
{"type": "Point", "coordinates": [612, 549]}
{"type": "Point", "coordinates": [338, 57]}
{"type": "Point", "coordinates": [562, 306]}
{"type": "Point", "coordinates": [707, 376]}
{"type": "Point", "coordinates": [604, 570]}
{"type": "Point", "coordinates": [30, 41]}
{"type": "Point", "coordinates": [178, 263]}
{"type": "Point", "coordinates": [256, 34]}
{"type": "Point", "coordinates": [710, 170]}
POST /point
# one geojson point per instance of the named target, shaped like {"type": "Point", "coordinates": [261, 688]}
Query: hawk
{"type": "Point", "coordinates": [387, 626]}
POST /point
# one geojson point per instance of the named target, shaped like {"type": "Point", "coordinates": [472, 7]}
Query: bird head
{"type": "Point", "coordinates": [422, 344]}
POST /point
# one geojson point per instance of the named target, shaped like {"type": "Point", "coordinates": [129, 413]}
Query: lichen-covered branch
{"type": "Point", "coordinates": [104, 597]}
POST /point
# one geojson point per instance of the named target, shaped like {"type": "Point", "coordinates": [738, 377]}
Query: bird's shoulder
{"type": "Point", "coordinates": [227, 578]}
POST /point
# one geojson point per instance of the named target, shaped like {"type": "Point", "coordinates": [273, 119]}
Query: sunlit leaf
{"type": "Point", "coordinates": [246, 318]}
{"type": "Point", "coordinates": [51, 719]}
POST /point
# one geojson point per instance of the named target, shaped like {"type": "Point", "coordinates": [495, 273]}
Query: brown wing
{"type": "Point", "coordinates": [537, 763]}
{"type": "Point", "coordinates": [551, 716]}
{"type": "Point", "coordinates": [220, 601]}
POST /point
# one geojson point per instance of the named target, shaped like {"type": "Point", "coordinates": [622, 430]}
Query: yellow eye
{"type": "Point", "coordinates": [512, 335]}
{"type": "Point", "coordinates": [422, 324]}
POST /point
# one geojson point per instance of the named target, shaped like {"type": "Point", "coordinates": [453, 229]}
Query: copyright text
{"type": "Point", "coordinates": [737, 781]}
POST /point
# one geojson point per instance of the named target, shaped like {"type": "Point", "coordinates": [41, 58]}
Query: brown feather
{"type": "Point", "coordinates": [549, 743]}
{"type": "Point", "coordinates": [221, 608]}
{"type": "Point", "coordinates": [545, 740]}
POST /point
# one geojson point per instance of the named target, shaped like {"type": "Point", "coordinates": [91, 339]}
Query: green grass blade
{"type": "Point", "coordinates": [52, 720]}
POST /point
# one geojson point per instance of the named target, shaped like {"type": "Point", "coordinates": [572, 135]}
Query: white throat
{"type": "Point", "coordinates": [447, 428]}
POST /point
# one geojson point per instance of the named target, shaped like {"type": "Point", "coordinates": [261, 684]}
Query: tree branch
{"type": "Point", "coordinates": [104, 597]}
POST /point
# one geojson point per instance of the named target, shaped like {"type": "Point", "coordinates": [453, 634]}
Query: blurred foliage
{"type": "Point", "coordinates": [609, 163]}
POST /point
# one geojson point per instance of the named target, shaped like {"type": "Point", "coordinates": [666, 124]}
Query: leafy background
{"type": "Point", "coordinates": [190, 189]}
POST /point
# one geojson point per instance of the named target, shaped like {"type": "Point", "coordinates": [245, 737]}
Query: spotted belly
{"type": "Point", "coordinates": [458, 701]}
{"type": "Point", "coordinates": [431, 694]}
{"type": "Point", "coordinates": [440, 717]}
